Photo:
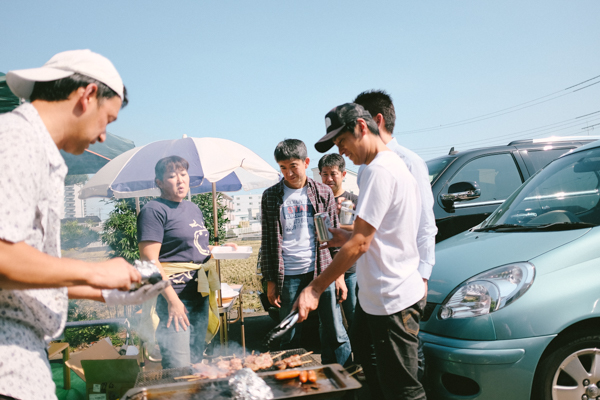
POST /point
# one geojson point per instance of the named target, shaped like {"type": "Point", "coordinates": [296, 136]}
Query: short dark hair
{"type": "Point", "coordinates": [61, 89]}
{"type": "Point", "coordinates": [290, 149]}
{"type": "Point", "coordinates": [168, 164]}
{"type": "Point", "coordinates": [379, 102]}
{"type": "Point", "coordinates": [332, 160]}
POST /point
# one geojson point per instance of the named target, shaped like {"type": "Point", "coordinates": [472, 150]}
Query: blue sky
{"type": "Point", "coordinates": [257, 72]}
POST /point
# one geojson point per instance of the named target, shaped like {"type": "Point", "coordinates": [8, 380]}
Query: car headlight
{"type": "Point", "coordinates": [488, 291]}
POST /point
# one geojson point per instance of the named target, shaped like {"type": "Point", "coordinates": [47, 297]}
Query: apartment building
{"type": "Point", "coordinates": [74, 206]}
{"type": "Point", "coordinates": [247, 207]}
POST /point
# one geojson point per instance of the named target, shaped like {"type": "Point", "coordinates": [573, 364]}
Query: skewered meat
{"type": "Point", "coordinates": [207, 371]}
{"type": "Point", "coordinates": [261, 361]}
{"type": "Point", "coordinates": [289, 362]}
{"type": "Point", "coordinates": [235, 364]}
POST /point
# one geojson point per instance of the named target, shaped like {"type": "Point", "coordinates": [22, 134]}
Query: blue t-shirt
{"type": "Point", "coordinates": [180, 228]}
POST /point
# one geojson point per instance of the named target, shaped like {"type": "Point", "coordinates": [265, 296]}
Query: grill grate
{"type": "Point", "coordinates": [165, 376]}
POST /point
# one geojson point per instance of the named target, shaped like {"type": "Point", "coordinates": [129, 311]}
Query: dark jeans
{"type": "Point", "coordinates": [179, 349]}
{"type": "Point", "coordinates": [350, 303]}
{"type": "Point", "coordinates": [386, 347]}
{"type": "Point", "coordinates": [335, 343]}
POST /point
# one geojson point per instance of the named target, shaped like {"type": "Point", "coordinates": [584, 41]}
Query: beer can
{"type": "Point", "coordinates": [346, 214]}
{"type": "Point", "coordinates": [322, 225]}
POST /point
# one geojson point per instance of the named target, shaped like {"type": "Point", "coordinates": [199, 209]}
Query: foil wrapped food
{"type": "Point", "coordinates": [150, 274]}
{"type": "Point", "coordinates": [246, 385]}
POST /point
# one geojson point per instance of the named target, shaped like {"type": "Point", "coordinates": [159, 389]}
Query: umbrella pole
{"type": "Point", "coordinates": [137, 206]}
{"type": "Point", "coordinates": [223, 316]}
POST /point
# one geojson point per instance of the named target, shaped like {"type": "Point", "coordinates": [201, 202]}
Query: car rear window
{"type": "Point", "coordinates": [541, 158]}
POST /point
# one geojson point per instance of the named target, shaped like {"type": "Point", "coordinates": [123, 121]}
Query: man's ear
{"type": "Point", "coordinates": [88, 96]}
{"type": "Point", "coordinates": [363, 129]}
{"type": "Point", "coordinates": [379, 120]}
{"type": "Point", "coordinates": [306, 162]}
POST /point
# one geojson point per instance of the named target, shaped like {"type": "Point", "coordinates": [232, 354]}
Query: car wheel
{"type": "Point", "coordinates": [571, 370]}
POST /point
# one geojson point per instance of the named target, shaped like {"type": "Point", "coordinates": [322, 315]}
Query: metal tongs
{"type": "Point", "coordinates": [284, 326]}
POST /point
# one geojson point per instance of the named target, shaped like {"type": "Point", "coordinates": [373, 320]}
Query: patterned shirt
{"type": "Point", "coordinates": [32, 174]}
{"type": "Point", "coordinates": [322, 200]}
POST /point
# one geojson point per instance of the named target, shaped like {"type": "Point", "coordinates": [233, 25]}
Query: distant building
{"type": "Point", "coordinates": [247, 207]}
{"type": "Point", "coordinates": [227, 201]}
{"type": "Point", "coordinates": [74, 206]}
{"type": "Point", "coordinates": [350, 181]}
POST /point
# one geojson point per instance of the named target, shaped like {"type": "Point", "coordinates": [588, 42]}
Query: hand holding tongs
{"type": "Point", "coordinates": [284, 326]}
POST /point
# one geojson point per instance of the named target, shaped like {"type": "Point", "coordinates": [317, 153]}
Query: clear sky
{"type": "Point", "coordinates": [258, 72]}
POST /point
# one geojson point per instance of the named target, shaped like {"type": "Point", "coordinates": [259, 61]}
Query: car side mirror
{"type": "Point", "coordinates": [460, 191]}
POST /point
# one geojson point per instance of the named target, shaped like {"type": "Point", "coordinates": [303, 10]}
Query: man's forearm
{"type": "Point", "coordinates": [348, 254]}
{"type": "Point", "coordinates": [85, 292]}
{"type": "Point", "coordinates": [24, 267]}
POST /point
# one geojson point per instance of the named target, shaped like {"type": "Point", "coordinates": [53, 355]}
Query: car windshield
{"type": "Point", "coordinates": [437, 166]}
{"type": "Point", "coordinates": [564, 195]}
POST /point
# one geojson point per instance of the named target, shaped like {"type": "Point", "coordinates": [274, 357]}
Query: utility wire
{"type": "Point", "coordinates": [544, 129]}
{"type": "Point", "coordinates": [507, 110]}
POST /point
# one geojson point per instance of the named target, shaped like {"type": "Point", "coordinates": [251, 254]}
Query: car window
{"type": "Point", "coordinates": [541, 158]}
{"type": "Point", "coordinates": [437, 166]}
{"type": "Point", "coordinates": [497, 176]}
{"type": "Point", "coordinates": [566, 191]}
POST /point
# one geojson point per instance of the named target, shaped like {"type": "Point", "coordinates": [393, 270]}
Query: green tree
{"type": "Point", "coordinates": [205, 202]}
{"type": "Point", "coordinates": [74, 235]}
{"type": "Point", "coordinates": [120, 229]}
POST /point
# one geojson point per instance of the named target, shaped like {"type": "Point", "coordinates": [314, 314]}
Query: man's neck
{"type": "Point", "coordinates": [375, 146]}
{"type": "Point", "coordinates": [386, 137]}
{"type": "Point", "coordinates": [54, 115]}
{"type": "Point", "coordinates": [339, 192]}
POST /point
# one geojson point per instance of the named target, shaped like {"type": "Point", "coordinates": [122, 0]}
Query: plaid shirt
{"type": "Point", "coordinates": [322, 200]}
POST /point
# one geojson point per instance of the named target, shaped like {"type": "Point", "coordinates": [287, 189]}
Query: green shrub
{"type": "Point", "coordinates": [74, 235]}
{"type": "Point", "coordinates": [80, 336]}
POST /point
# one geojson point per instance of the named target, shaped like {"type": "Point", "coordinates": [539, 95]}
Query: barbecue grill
{"type": "Point", "coordinates": [332, 382]}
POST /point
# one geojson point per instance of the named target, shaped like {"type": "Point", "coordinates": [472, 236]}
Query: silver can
{"type": "Point", "coordinates": [322, 225]}
{"type": "Point", "coordinates": [346, 213]}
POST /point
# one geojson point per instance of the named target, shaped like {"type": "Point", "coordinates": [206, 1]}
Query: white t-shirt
{"type": "Point", "coordinates": [390, 202]}
{"type": "Point", "coordinates": [427, 228]}
{"type": "Point", "coordinates": [298, 224]}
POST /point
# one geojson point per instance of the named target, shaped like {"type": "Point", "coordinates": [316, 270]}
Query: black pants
{"type": "Point", "coordinates": [386, 347]}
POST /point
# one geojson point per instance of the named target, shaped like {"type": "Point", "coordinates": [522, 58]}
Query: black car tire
{"type": "Point", "coordinates": [572, 352]}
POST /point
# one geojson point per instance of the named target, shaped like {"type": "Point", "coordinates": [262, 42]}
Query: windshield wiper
{"type": "Point", "coordinates": [557, 226]}
{"type": "Point", "coordinates": [503, 226]}
{"type": "Point", "coordinates": [564, 226]}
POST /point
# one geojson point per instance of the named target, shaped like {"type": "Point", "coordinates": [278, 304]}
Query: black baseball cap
{"type": "Point", "coordinates": [337, 119]}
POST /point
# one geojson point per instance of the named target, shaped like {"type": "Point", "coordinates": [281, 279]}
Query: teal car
{"type": "Point", "coordinates": [514, 303]}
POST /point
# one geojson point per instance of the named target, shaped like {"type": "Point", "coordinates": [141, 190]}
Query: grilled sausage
{"type": "Point", "coordinates": [303, 376]}
{"type": "Point", "coordinates": [286, 375]}
{"type": "Point", "coordinates": [312, 376]}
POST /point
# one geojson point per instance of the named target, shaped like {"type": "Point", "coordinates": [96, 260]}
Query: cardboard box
{"type": "Point", "coordinates": [109, 379]}
{"type": "Point", "coordinates": [107, 374]}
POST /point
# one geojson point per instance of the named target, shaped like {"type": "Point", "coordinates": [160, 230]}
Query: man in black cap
{"type": "Point", "coordinates": [391, 295]}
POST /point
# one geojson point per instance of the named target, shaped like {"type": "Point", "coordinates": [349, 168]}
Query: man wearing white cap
{"type": "Point", "coordinates": [72, 99]}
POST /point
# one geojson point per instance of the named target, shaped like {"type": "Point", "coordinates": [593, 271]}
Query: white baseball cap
{"type": "Point", "coordinates": [84, 62]}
